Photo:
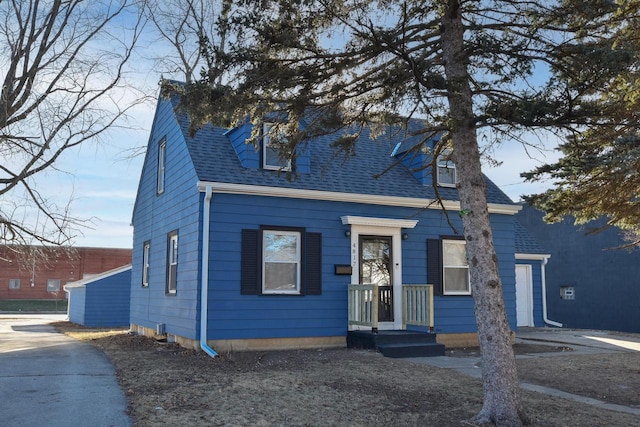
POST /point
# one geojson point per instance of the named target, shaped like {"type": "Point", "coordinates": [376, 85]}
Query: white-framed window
{"type": "Point", "coordinates": [146, 248]}
{"type": "Point", "coordinates": [281, 262]}
{"type": "Point", "coordinates": [272, 149]}
{"type": "Point", "coordinates": [455, 270]}
{"type": "Point", "coordinates": [446, 170]}
{"type": "Point", "coordinates": [53, 285]}
{"type": "Point", "coordinates": [14, 283]}
{"type": "Point", "coordinates": [172, 262]}
{"type": "Point", "coordinates": [162, 151]}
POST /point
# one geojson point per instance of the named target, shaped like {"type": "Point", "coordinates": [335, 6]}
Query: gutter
{"type": "Point", "coordinates": [544, 296]}
{"type": "Point", "coordinates": [204, 288]}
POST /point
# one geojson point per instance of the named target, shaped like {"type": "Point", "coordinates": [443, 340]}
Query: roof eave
{"type": "Point", "coordinates": [370, 199]}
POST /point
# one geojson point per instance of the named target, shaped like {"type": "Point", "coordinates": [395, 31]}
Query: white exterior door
{"type": "Point", "coordinates": [391, 231]}
{"type": "Point", "coordinates": [524, 295]}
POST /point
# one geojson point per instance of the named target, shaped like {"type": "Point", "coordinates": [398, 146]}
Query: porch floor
{"type": "Point", "coordinates": [397, 343]}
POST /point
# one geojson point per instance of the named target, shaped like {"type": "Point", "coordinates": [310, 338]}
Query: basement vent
{"type": "Point", "coordinates": [160, 330]}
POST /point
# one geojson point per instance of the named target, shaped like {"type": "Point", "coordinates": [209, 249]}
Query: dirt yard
{"type": "Point", "coordinates": [168, 385]}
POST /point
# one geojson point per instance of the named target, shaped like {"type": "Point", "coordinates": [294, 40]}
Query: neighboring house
{"type": "Point", "coordinates": [589, 284]}
{"type": "Point", "coordinates": [36, 272]}
{"type": "Point", "coordinates": [275, 257]}
{"type": "Point", "coordinates": [102, 300]}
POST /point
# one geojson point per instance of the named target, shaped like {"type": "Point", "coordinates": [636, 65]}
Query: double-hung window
{"type": "Point", "coordinates": [278, 260]}
{"type": "Point", "coordinates": [162, 151]}
{"type": "Point", "coordinates": [446, 170]}
{"type": "Point", "coordinates": [455, 270]}
{"type": "Point", "coordinates": [281, 262]}
{"type": "Point", "coordinates": [145, 264]}
{"type": "Point", "coordinates": [172, 262]}
{"type": "Point", "coordinates": [272, 148]}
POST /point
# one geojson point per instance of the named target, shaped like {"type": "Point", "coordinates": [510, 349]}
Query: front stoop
{"type": "Point", "coordinates": [397, 343]}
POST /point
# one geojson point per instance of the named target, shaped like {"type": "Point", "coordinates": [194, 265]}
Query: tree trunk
{"type": "Point", "coordinates": [501, 404]}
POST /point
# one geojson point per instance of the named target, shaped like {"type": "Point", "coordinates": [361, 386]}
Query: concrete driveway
{"type": "Point", "coordinates": [48, 379]}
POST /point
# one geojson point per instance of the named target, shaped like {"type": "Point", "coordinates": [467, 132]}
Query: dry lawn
{"type": "Point", "coordinates": [168, 385]}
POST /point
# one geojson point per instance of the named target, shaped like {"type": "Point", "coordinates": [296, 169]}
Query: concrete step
{"type": "Point", "coordinates": [412, 350]}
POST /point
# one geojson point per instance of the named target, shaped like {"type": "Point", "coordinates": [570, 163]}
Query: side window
{"type": "Point", "coordinates": [446, 170]}
{"type": "Point", "coordinates": [455, 271]}
{"type": "Point", "coordinates": [447, 268]}
{"type": "Point", "coordinates": [162, 151]}
{"type": "Point", "coordinates": [14, 283]}
{"type": "Point", "coordinates": [145, 263]}
{"type": "Point", "coordinates": [271, 149]}
{"type": "Point", "coordinates": [281, 262]}
{"type": "Point", "coordinates": [172, 262]}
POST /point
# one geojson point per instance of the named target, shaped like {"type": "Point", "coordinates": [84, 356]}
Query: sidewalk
{"type": "Point", "coordinates": [582, 342]}
{"type": "Point", "coordinates": [49, 379]}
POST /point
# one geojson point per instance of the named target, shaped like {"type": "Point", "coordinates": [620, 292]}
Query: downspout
{"type": "Point", "coordinates": [204, 288]}
{"type": "Point", "coordinates": [544, 295]}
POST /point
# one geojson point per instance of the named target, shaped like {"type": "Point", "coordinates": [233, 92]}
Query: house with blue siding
{"type": "Point", "coordinates": [101, 300]}
{"type": "Point", "coordinates": [231, 252]}
{"type": "Point", "coordinates": [589, 283]}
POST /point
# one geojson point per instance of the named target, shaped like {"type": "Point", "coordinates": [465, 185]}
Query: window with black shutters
{"type": "Point", "coordinates": [281, 261]}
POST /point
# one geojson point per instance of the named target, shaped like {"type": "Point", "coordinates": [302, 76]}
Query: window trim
{"type": "Point", "coordinates": [448, 164]}
{"type": "Point", "coordinates": [283, 231]}
{"type": "Point", "coordinates": [445, 266]}
{"type": "Point", "coordinates": [266, 129]}
{"type": "Point", "coordinates": [146, 252]}
{"type": "Point", "coordinates": [162, 165]}
{"type": "Point", "coordinates": [172, 261]}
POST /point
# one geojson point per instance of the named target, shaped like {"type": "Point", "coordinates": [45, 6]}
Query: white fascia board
{"type": "Point", "coordinates": [83, 282]}
{"type": "Point", "coordinates": [378, 222]}
{"type": "Point", "coordinates": [533, 257]}
{"type": "Point", "coordinates": [331, 196]}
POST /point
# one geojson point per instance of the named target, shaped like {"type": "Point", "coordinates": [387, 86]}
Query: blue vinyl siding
{"type": "Point", "coordinates": [103, 302]}
{"type": "Point", "coordinates": [76, 305]}
{"type": "Point", "coordinates": [232, 315]}
{"type": "Point", "coordinates": [178, 208]}
{"type": "Point", "coordinates": [606, 280]}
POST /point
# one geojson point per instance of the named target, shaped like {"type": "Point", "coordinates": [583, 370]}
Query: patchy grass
{"type": "Point", "coordinates": [169, 385]}
{"type": "Point", "coordinates": [34, 306]}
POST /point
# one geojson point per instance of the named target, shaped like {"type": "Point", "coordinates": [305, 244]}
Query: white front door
{"type": "Point", "coordinates": [524, 295]}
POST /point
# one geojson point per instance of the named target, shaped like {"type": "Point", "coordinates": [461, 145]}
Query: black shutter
{"type": "Point", "coordinates": [313, 263]}
{"type": "Point", "coordinates": [250, 263]}
{"type": "Point", "coordinates": [434, 265]}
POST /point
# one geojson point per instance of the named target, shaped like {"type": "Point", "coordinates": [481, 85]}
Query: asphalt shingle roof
{"type": "Point", "coordinates": [525, 243]}
{"type": "Point", "coordinates": [215, 160]}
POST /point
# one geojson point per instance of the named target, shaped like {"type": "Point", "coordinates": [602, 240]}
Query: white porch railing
{"type": "Point", "coordinates": [417, 305]}
{"type": "Point", "coordinates": [363, 305]}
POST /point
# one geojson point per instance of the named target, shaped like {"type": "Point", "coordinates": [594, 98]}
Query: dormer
{"type": "Point", "coordinates": [416, 159]}
{"type": "Point", "coordinates": [265, 153]}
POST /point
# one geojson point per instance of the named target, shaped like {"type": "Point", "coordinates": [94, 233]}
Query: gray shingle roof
{"type": "Point", "coordinates": [215, 160]}
{"type": "Point", "coordinates": [525, 243]}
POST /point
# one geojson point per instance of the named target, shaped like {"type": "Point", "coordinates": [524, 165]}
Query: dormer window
{"type": "Point", "coordinates": [446, 170]}
{"type": "Point", "coordinates": [272, 149]}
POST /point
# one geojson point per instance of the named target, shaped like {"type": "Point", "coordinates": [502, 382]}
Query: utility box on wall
{"type": "Point", "coordinates": [567, 292]}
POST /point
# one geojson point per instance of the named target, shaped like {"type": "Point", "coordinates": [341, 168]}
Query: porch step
{"type": "Point", "coordinates": [397, 343]}
{"type": "Point", "coordinates": [412, 350]}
